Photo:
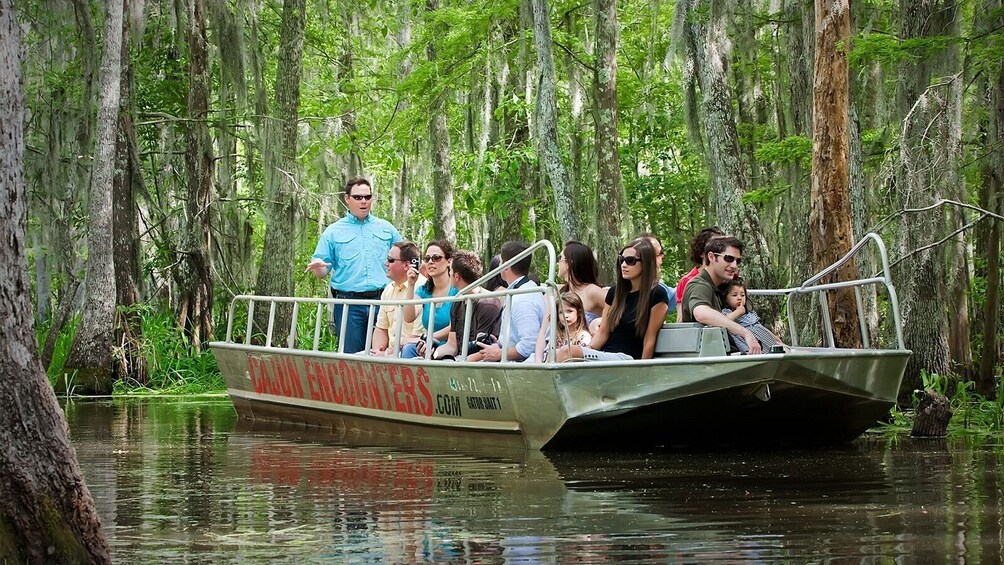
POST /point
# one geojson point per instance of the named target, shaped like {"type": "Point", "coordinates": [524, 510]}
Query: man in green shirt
{"type": "Point", "coordinates": [701, 301]}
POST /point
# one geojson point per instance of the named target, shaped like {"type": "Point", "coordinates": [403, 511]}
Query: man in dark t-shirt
{"type": "Point", "coordinates": [485, 317]}
{"type": "Point", "coordinates": [701, 301]}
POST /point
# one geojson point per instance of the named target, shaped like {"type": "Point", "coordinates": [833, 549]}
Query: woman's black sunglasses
{"type": "Point", "coordinates": [630, 261]}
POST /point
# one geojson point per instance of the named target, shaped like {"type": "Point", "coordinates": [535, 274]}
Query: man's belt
{"type": "Point", "coordinates": [368, 294]}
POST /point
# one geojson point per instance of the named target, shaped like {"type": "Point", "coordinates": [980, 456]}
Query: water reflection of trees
{"type": "Point", "coordinates": [174, 478]}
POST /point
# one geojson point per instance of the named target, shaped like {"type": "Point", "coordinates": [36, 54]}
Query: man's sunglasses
{"type": "Point", "coordinates": [393, 260]}
{"type": "Point", "coordinates": [730, 258]}
{"type": "Point", "coordinates": [433, 258]}
{"type": "Point", "coordinates": [629, 261]}
{"type": "Point", "coordinates": [360, 197]}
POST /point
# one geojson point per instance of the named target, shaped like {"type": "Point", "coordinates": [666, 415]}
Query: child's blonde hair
{"type": "Point", "coordinates": [573, 300]}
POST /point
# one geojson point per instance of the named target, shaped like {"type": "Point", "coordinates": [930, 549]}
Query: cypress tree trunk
{"type": "Point", "coordinates": [547, 123]}
{"type": "Point", "coordinates": [130, 362]}
{"type": "Point", "coordinates": [989, 236]}
{"type": "Point", "coordinates": [195, 284]}
{"type": "Point", "coordinates": [91, 351]}
{"type": "Point", "coordinates": [275, 274]}
{"type": "Point", "coordinates": [830, 223]}
{"type": "Point", "coordinates": [575, 144]}
{"type": "Point", "coordinates": [613, 222]}
{"type": "Point", "coordinates": [439, 143]}
{"type": "Point", "coordinates": [709, 45]}
{"type": "Point", "coordinates": [47, 514]}
{"type": "Point", "coordinates": [929, 157]}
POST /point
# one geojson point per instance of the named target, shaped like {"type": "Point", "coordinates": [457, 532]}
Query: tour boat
{"type": "Point", "coordinates": [692, 393]}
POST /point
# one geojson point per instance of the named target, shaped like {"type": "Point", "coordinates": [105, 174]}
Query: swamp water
{"type": "Point", "coordinates": [182, 481]}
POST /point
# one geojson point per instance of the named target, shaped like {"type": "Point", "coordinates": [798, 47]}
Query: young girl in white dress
{"type": "Point", "coordinates": [572, 329]}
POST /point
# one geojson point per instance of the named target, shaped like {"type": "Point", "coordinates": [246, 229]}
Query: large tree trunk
{"type": "Point", "coordinates": [710, 45]}
{"type": "Point", "coordinates": [47, 514]}
{"type": "Point", "coordinates": [928, 95]}
{"type": "Point", "coordinates": [195, 280]}
{"type": "Point", "coordinates": [576, 95]}
{"type": "Point", "coordinates": [130, 362]}
{"type": "Point", "coordinates": [402, 188]}
{"type": "Point", "coordinates": [830, 223]}
{"type": "Point", "coordinates": [505, 224]}
{"type": "Point", "coordinates": [989, 236]}
{"type": "Point", "coordinates": [439, 142]}
{"type": "Point", "coordinates": [275, 274]}
{"type": "Point", "coordinates": [612, 213]}
{"type": "Point", "coordinates": [91, 351]}
{"type": "Point", "coordinates": [547, 124]}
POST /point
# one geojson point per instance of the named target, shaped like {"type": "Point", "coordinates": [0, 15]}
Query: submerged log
{"type": "Point", "coordinates": [933, 415]}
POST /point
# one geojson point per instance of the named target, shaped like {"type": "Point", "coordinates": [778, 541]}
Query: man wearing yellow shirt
{"type": "Point", "coordinates": [385, 333]}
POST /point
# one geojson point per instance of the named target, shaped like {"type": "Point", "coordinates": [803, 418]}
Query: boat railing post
{"type": "Point", "coordinates": [468, 318]}
{"type": "Point", "coordinates": [504, 332]}
{"type": "Point", "coordinates": [865, 341]}
{"type": "Point", "coordinates": [398, 330]}
{"type": "Point", "coordinates": [369, 329]}
{"type": "Point", "coordinates": [341, 327]}
{"type": "Point", "coordinates": [824, 305]}
{"type": "Point", "coordinates": [291, 338]}
{"type": "Point", "coordinates": [791, 318]}
{"type": "Point", "coordinates": [230, 320]}
{"type": "Point", "coordinates": [893, 299]}
{"type": "Point", "coordinates": [551, 301]}
{"type": "Point", "coordinates": [430, 331]}
{"type": "Point", "coordinates": [247, 338]}
{"type": "Point", "coordinates": [271, 323]}
{"type": "Point", "coordinates": [317, 325]}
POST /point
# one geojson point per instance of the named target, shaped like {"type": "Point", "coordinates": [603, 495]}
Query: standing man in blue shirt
{"type": "Point", "coordinates": [353, 250]}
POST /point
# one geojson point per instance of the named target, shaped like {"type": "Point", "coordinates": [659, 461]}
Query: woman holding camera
{"type": "Point", "coordinates": [436, 260]}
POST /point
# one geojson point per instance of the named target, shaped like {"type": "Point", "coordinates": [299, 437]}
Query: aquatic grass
{"type": "Point", "coordinates": [60, 350]}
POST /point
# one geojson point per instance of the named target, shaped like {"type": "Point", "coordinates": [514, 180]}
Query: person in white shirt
{"type": "Point", "coordinates": [527, 311]}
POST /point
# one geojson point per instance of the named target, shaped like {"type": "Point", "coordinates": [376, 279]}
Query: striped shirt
{"type": "Point", "coordinates": [751, 321]}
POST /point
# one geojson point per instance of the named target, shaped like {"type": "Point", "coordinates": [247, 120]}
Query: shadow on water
{"type": "Point", "coordinates": [183, 481]}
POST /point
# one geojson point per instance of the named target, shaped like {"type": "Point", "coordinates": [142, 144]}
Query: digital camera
{"type": "Point", "coordinates": [482, 337]}
{"type": "Point", "coordinates": [416, 263]}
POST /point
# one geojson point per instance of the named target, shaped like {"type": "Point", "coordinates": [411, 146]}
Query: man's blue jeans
{"type": "Point", "coordinates": [355, 327]}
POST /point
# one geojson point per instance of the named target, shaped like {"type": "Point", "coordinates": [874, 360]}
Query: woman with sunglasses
{"type": "Point", "coordinates": [437, 285]}
{"type": "Point", "coordinates": [635, 309]}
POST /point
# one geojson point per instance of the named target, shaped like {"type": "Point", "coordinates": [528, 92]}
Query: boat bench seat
{"type": "Point", "coordinates": [691, 340]}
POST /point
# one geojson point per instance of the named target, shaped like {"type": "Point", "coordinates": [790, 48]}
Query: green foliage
{"type": "Point", "coordinates": [795, 149]}
{"type": "Point", "coordinates": [762, 196]}
{"type": "Point", "coordinates": [59, 352]}
{"type": "Point", "coordinates": [877, 47]}
{"type": "Point", "coordinates": [972, 414]}
{"type": "Point", "coordinates": [174, 365]}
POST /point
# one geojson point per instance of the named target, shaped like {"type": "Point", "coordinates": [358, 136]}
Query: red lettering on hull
{"type": "Point", "coordinates": [374, 386]}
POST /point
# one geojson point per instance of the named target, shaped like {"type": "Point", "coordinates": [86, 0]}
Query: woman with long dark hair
{"type": "Point", "coordinates": [635, 309]}
{"type": "Point", "coordinates": [437, 285]}
{"type": "Point", "coordinates": [577, 267]}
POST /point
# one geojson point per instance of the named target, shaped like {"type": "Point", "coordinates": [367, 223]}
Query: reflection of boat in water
{"type": "Point", "coordinates": [649, 506]}
{"type": "Point", "coordinates": [692, 392]}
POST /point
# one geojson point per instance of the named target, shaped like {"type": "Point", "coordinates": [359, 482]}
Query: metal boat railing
{"type": "Point", "coordinates": [812, 285]}
{"type": "Point", "coordinates": [251, 302]}
{"type": "Point", "coordinates": [548, 288]}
